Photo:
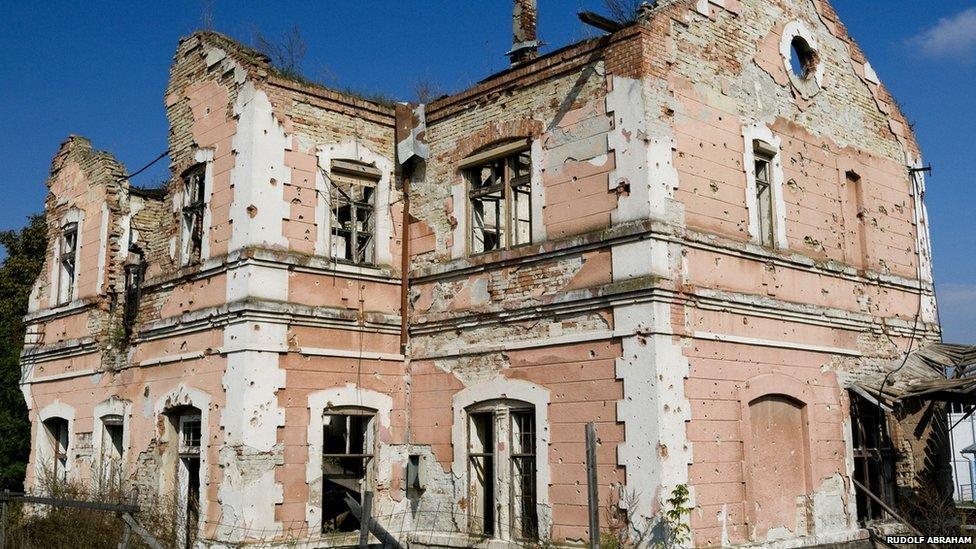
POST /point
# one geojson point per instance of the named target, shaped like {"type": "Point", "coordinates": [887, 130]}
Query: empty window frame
{"type": "Point", "coordinates": [353, 200]}
{"type": "Point", "coordinates": [67, 261]}
{"type": "Point", "coordinates": [500, 199]}
{"type": "Point", "coordinates": [194, 202]}
{"type": "Point", "coordinates": [347, 462]}
{"type": "Point", "coordinates": [874, 458]}
{"type": "Point", "coordinates": [764, 193]}
{"type": "Point", "coordinates": [135, 269]}
{"type": "Point", "coordinates": [56, 429]}
{"type": "Point", "coordinates": [502, 473]}
{"type": "Point", "coordinates": [113, 448]}
{"type": "Point", "coordinates": [189, 438]}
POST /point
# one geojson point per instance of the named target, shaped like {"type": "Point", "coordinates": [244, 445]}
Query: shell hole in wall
{"type": "Point", "coordinates": [803, 58]}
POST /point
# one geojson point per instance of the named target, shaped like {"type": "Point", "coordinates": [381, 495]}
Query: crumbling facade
{"type": "Point", "coordinates": [689, 231]}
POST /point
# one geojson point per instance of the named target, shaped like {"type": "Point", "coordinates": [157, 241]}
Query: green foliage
{"type": "Point", "coordinates": [677, 530]}
{"type": "Point", "coordinates": [25, 257]}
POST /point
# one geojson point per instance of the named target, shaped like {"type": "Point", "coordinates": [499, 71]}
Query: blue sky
{"type": "Point", "coordinates": [99, 70]}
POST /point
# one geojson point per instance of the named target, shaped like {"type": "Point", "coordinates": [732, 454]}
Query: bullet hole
{"type": "Point", "coordinates": [252, 211]}
{"type": "Point", "coordinates": [274, 182]}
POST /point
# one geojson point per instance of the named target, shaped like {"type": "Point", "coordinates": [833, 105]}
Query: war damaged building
{"type": "Point", "coordinates": [703, 231]}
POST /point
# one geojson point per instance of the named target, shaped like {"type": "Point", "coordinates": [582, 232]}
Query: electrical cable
{"type": "Point", "coordinates": [146, 167]}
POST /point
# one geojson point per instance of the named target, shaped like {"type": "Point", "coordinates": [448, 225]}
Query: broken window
{"type": "Point", "coordinates": [353, 201]}
{"type": "Point", "coordinates": [502, 476]}
{"type": "Point", "coordinates": [112, 446]}
{"type": "Point", "coordinates": [194, 201]}
{"type": "Point", "coordinates": [764, 193]}
{"type": "Point", "coordinates": [189, 437]}
{"type": "Point", "coordinates": [347, 456]}
{"type": "Point", "coordinates": [134, 271]}
{"type": "Point", "coordinates": [523, 464]}
{"type": "Point", "coordinates": [500, 196]}
{"type": "Point", "coordinates": [68, 262]}
{"type": "Point", "coordinates": [56, 429]}
{"type": "Point", "coordinates": [874, 458]}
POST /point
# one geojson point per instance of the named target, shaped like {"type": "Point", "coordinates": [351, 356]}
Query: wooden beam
{"type": "Point", "coordinates": [596, 20]}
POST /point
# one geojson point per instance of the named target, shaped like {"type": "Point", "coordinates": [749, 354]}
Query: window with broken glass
{"type": "Point", "coordinates": [194, 202]}
{"type": "Point", "coordinates": [874, 458]}
{"type": "Point", "coordinates": [188, 473]}
{"type": "Point", "coordinates": [57, 432]}
{"type": "Point", "coordinates": [347, 459]}
{"type": "Point", "coordinates": [764, 194]}
{"type": "Point", "coordinates": [353, 202]}
{"type": "Point", "coordinates": [500, 197]}
{"type": "Point", "coordinates": [502, 477]}
{"type": "Point", "coordinates": [68, 258]}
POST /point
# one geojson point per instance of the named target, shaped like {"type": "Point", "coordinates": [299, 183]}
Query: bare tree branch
{"type": "Point", "coordinates": [287, 54]}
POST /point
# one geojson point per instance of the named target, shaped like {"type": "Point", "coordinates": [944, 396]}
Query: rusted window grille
{"type": "Point", "coordinates": [500, 196]}
{"type": "Point", "coordinates": [194, 201]}
{"type": "Point", "coordinates": [525, 523]}
{"type": "Point", "coordinates": [347, 456]}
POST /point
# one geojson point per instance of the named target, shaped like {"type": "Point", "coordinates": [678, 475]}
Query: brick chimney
{"type": "Point", "coordinates": [525, 45]}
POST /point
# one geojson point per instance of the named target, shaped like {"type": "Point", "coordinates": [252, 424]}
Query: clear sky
{"type": "Point", "coordinates": [99, 70]}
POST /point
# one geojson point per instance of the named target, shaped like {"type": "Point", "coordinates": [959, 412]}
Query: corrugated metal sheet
{"type": "Point", "coordinates": [937, 371]}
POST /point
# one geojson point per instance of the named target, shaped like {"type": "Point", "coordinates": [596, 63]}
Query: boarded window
{"type": "Point", "coordinates": [194, 201]}
{"type": "Point", "coordinates": [764, 194]}
{"type": "Point", "coordinates": [347, 457]}
{"type": "Point", "coordinates": [353, 205]}
{"type": "Point", "coordinates": [68, 262]}
{"type": "Point", "coordinates": [500, 197]}
{"type": "Point", "coordinates": [874, 458]}
{"type": "Point", "coordinates": [778, 463]}
{"type": "Point", "coordinates": [502, 476]}
{"type": "Point", "coordinates": [56, 429]}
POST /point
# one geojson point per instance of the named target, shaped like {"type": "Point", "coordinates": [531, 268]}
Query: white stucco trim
{"type": "Point", "coordinates": [507, 389]}
{"type": "Point", "coordinates": [103, 249]}
{"type": "Point", "coordinates": [112, 406]}
{"type": "Point", "coordinates": [750, 134]}
{"type": "Point", "coordinates": [383, 228]}
{"type": "Point", "coordinates": [347, 396]}
{"type": "Point", "coordinates": [189, 396]}
{"type": "Point", "coordinates": [43, 449]}
{"type": "Point", "coordinates": [74, 215]}
{"type": "Point", "coordinates": [259, 175]}
{"type": "Point", "coordinates": [461, 232]}
{"type": "Point", "coordinates": [205, 156]}
{"type": "Point", "coordinates": [792, 30]}
{"type": "Point", "coordinates": [538, 193]}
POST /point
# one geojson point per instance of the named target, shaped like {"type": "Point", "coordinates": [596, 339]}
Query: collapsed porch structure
{"type": "Point", "coordinates": [702, 231]}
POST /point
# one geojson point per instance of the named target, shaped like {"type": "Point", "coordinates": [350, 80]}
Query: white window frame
{"type": "Point", "coordinates": [355, 151]}
{"type": "Point", "coordinates": [187, 205]}
{"type": "Point", "coordinates": [338, 398]}
{"type": "Point", "coordinates": [64, 290]}
{"type": "Point", "coordinates": [760, 138]}
{"type": "Point", "coordinates": [166, 405]}
{"type": "Point", "coordinates": [110, 408]}
{"type": "Point", "coordinates": [494, 393]}
{"type": "Point", "coordinates": [45, 449]}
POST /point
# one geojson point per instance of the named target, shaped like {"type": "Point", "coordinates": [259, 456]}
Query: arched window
{"type": "Point", "coordinates": [56, 430]}
{"type": "Point", "coordinates": [502, 469]}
